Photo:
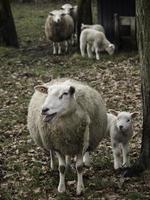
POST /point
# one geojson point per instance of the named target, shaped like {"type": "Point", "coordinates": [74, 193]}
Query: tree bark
{"type": "Point", "coordinates": [8, 35]}
{"type": "Point", "coordinates": [143, 30]}
{"type": "Point", "coordinates": [84, 14]}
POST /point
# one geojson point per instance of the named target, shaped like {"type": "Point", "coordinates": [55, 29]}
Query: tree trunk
{"type": "Point", "coordinates": [143, 29]}
{"type": "Point", "coordinates": [84, 14]}
{"type": "Point", "coordinates": [8, 35]}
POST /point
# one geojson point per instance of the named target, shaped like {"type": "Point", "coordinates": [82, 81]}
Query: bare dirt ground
{"type": "Point", "coordinates": [25, 173]}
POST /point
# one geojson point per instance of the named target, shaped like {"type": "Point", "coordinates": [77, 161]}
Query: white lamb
{"type": "Point", "coordinates": [68, 117]}
{"type": "Point", "coordinates": [119, 128]}
{"type": "Point", "coordinates": [94, 40]}
{"type": "Point", "coordinates": [59, 28]}
{"type": "Point", "coordinates": [97, 27]}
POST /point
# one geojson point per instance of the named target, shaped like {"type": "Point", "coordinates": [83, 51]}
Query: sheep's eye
{"type": "Point", "coordinates": [128, 120]}
{"type": "Point", "coordinates": [65, 93]}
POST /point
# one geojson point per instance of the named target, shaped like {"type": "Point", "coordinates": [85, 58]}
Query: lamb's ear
{"type": "Point", "coordinates": [134, 114]}
{"type": "Point", "coordinates": [41, 88]}
{"type": "Point", "coordinates": [71, 90]}
{"type": "Point", "coordinates": [114, 112]}
{"type": "Point", "coordinates": [51, 14]}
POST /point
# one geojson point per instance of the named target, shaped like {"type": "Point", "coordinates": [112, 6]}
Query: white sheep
{"type": "Point", "coordinates": [119, 128]}
{"type": "Point", "coordinates": [97, 27]}
{"type": "Point", "coordinates": [73, 12]}
{"type": "Point", "coordinates": [94, 40]}
{"type": "Point", "coordinates": [59, 27]}
{"type": "Point", "coordinates": [68, 117]}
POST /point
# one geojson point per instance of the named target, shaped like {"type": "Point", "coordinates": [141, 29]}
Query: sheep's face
{"type": "Point", "coordinates": [57, 15]}
{"type": "Point", "coordinates": [84, 26]}
{"type": "Point", "coordinates": [124, 121]}
{"type": "Point", "coordinates": [67, 8]}
{"type": "Point", "coordinates": [59, 101]}
{"type": "Point", "coordinates": [110, 49]}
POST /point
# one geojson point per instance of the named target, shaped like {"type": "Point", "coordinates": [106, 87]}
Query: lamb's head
{"type": "Point", "coordinates": [60, 100]}
{"type": "Point", "coordinates": [84, 26]}
{"type": "Point", "coordinates": [57, 15]}
{"type": "Point", "coordinates": [67, 8]}
{"type": "Point", "coordinates": [110, 49]}
{"type": "Point", "coordinates": [124, 120]}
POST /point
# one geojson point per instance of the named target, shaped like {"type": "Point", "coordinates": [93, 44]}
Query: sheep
{"type": "Point", "coordinates": [120, 129]}
{"type": "Point", "coordinates": [73, 12]}
{"type": "Point", "coordinates": [69, 118]}
{"type": "Point", "coordinates": [97, 27]}
{"type": "Point", "coordinates": [94, 40]}
{"type": "Point", "coordinates": [59, 27]}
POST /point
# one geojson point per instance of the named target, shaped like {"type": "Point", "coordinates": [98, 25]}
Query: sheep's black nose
{"type": "Point", "coordinates": [121, 127]}
{"type": "Point", "coordinates": [44, 110]}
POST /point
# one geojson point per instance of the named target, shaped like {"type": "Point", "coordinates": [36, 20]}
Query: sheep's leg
{"type": "Point", "coordinates": [97, 53]}
{"type": "Point", "coordinates": [59, 48]}
{"type": "Point", "coordinates": [125, 152]}
{"type": "Point", "coordinates": [62, 168]}
{"type": "Point", "coordinates": [116, 155]}
{"type": "Point", "coordinates": [89, 52]}
{"type": "Point", "coordinates": [86, 159]}
{"type": "Point", "coordinates": [82, 47]}
{"type": "Point", "coordinates": [52, 160]}
{"type": "Point", "coordinates": [66, 46]}
{"type": "Point", "coordinates": [79, 168]}
{"type": "Point", "coordinates": [68, 161]}
{"type": "Point", "coordinates": [54, 48]}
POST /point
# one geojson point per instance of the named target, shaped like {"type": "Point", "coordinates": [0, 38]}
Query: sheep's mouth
{"type": "Point", "coordinates": [48, 118]}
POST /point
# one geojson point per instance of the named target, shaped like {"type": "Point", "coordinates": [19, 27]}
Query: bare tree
{"type": "Point", "coordinates": [8, 35]}
{"type": "Point", "coordinates": [143, 29]}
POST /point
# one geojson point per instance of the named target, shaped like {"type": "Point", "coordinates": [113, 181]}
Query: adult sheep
{"type": "Point", "coordinates": [68, 117]}
{"type": "Point", "coordinates": [73, 12]}
{"type": "Point", "coordinates": [96, 41]}
{"type": "Point", "coordinates": [59, 27]}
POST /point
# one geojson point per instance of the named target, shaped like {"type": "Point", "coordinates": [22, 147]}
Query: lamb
{"type": "Point", "coordinates": [94, 40]}
{"type": "Point", "coordinates": [97, 27]}
{"type": "Point", "coordinates": [59, 27]}
{"type": "Point", "coordinates": [120, 129]}
{"type": "Point", "coordinates": [69, 118]}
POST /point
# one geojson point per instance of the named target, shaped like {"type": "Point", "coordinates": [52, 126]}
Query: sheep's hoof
{"type": "Point", "coordinates": [61, 188]}
{"type": "Point", "coordinates": [80, 190]}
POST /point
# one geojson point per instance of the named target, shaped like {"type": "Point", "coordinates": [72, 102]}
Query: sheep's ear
{"type": "Point", "coordinates": [134, 114]}
{"type": "Point", "coordinates": [41, 88]}
{"type": "Point", "coordinates": [71, 90]}
{"type": "Point", "coordinates": [51, 14]}
{"type": "Point", "coordinates": [114, 112]}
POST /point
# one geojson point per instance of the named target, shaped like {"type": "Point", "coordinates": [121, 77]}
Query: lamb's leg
{"type": "Point", "coordinates": [79, 168]}
{"type": "Point", "coordinates": [96, 49]}
{"type": "Point", "coordinates": [86, 159]}
{"type": "Point", "coordinates": [89, 51]}
{"type": "Point", "coordinates": [116, 155]}
{"type": "Point", "coordinates": [125, 152]}
{"type": "Point", "coordinates": [97, 53]}
{"type": "Point", "coordinates": [82, 47]}
{"type": "Point", "coordinates": [59, 48]}
{"type": "Point", "coordinates": [54, 48]}
{"type": "Point", "coordinates": [62, 168]}
{"type": "Point", "coordinates": [52, 160]}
